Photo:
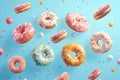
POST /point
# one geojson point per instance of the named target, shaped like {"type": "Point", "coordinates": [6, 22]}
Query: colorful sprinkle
{"type": "Point", "coordinates": [113, 69]}
{"type": "Point", "coordinates": [118, 61]}
{"type": "Point", "coordinates": [41, 34]}
{"type": "Point", "coordinates": [110, 57]}
{"type": "Point", "coordinates": [41, 2]}
{"type": "Point", "coordinates": [25, 79]}
{"type": "Point", "coordinates": [111, 24]}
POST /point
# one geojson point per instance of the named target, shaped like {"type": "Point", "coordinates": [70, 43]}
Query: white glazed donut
{"type": "Point", "coordinates": [47, 20]}
{"type": "Point", "coordinates": [100, 48]}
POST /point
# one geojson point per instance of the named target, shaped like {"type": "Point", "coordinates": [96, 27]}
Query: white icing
{"type": "Point", "coordinates": [107, 42]}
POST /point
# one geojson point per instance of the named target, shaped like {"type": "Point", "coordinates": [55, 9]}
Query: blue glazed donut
{"type": "Point", "coordinates": [37, 55]}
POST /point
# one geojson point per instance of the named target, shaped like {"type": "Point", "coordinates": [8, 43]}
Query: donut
{"type": "Point", "coordinates": [106, 42]}
{"type": "Point", "coordinates": [93, 75]}
{"type": "Point", "coordinates": [47, 20]}
{"type": "Point", "coordinates": [12, 64]}
{"type": "Point", "coordinates": [63, 76]}
{"type": "Point", "coordinates": [1, 51]}
{"type": "Point", "coordinates": [23, 33]}
{"type": "Point", "coordinates": [76, 22]}
{"type": "Point", "coordinates": [23, 7]}
{"type": "Point", "coordinates": [79, 51]}
{"type": "Point", "coordinates": [59, 36]}
{"type": "Point", "coordinates": [101, 12]}
{"type": "Point", "coordinates": [37, 55]}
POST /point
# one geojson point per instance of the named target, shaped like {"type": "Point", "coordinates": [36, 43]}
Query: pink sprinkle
{"type": "Point", "coordinates": [1, 51]}
{"type": "Point", "coordinates": [9, 20]}
{"type": "Point", "coordinates": [118, 61]}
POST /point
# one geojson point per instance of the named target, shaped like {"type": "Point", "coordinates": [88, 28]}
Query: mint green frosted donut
{"type": "Point", "coordinates": [37, 55]}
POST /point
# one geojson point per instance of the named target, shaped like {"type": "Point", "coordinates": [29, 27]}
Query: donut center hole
{"type": "Point", "coordinates": [100, 42]}
{"type": "Point", "coordinates": [44, 54]}
{"type": "Point", "coordinates": [73, 54]}
{"type": "Point", "coordinates": [17, 64]}
{"type": "Point", "coordinates": [23, 30]}
{"type": "Point", "coordinates": [47, 18]}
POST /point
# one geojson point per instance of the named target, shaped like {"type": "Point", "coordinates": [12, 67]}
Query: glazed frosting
{"type": "Point", "coordinates": [21, 6]}
{"type": "Point", "coordinates": [105, 46]}
{"type": "Point", "coordinates": [23, 33]}
{"type": "Point", "coordinates": [47, 19]}
{"type": "Point", "coordinates": [77, 22]}
{"type": "Point", "coordinates": [37, 55]}
{"type": "Point", "coordinates": [13, 61]}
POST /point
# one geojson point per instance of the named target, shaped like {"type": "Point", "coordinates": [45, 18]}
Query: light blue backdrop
{"type": "Point", "coordinates": [93, 61]}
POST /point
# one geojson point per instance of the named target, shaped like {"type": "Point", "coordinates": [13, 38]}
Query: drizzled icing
{"type": "Point", "coordinates": [47, 19]}
{"type": "Point", "coordinates": [23, 33]}
{"type": "Point", "coordinates": [37, 55]}
{"type": "Point", "coordinates": [107, 42]}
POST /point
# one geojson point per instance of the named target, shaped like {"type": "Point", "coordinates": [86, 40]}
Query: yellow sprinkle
{"type": "Point", "coordinates": [111, 24]}
{"type": "Point", "coordinates": [41, 2]}
{"type": "Point", "coordinates": [113, 69]}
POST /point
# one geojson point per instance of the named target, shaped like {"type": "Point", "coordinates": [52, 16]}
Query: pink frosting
{"type": "Point", "coordinates": [101, 10]}
{"type": "Point", "coordinates": [94, 74]}
{"type": "Point", "coordinates": [63, 76]}
{"type": "Point", "coordinates": [13, 61]}
{"type": "Point", "coordinates": [118, 61]}
{"type": "Point", "coordinates": [21, 6]}
{"type": "Point", "coordinates": [23, 33]}
{"type": "Point", "coordinates": [77, 22]}
{"type": "Point", "coordinates": [1, 51]}
{"type": "Point", "coordinates": [58, 35]}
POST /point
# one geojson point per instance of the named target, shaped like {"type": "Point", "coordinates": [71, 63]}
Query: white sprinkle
{"type": "Point", "coordinates": [110, 57]}
{"type": "Point", "coordinates": [25, 78]}
{"type": "Point", "coordinates": [41, 34]}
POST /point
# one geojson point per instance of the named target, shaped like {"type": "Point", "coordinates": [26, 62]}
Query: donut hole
{"type": "Point", "coordinates": [22, 30]}
{"type": "Point", "coordinates": [44, 54]}
{"type": "Point", "coordinates": [47, 18]}
{"type": "Point", "coordinates": [17, 64]}
{"type": "Point", "coordinates": [100, 42]}
{"type": "Point", "coordinates": [73, 54]}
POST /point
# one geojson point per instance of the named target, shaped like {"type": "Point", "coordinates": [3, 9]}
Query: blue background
{"type": "Point", "coordinates": [50, 72]}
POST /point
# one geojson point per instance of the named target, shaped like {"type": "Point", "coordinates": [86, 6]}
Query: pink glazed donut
{"type": "Point", "coordinates": [101, 12]}
{"type": "Point", "coordinates": [59, 36]}
{"type": "Point", "coordinates": [12, 64]}
{"type": "Point", "coordinates": [23, 33]}
{"type": "Point", "coordinates": [23, 7]}
{"type": "Point", "coordinates": [94, 74]}
{"type": "Point", "coordinates": [63, 76]}
{"type": "Point", "coordinates": [77, 22]}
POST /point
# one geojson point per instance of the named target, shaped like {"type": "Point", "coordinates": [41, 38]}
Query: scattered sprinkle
{"type": "Point", "coordinates": [118, 61]}
{"type": "Point", "coordinates": [111, 24]}
{"type": "Point", "coordinates": [113, 69]}
{"type": "Point", "coordinates": [25, 79]}
{"type": "Point", "coordinates": [110, 57]}
{"type": "Point", "coordinates": [41, 34]}
{"type": "Point", "coordinates": [41, 2]}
